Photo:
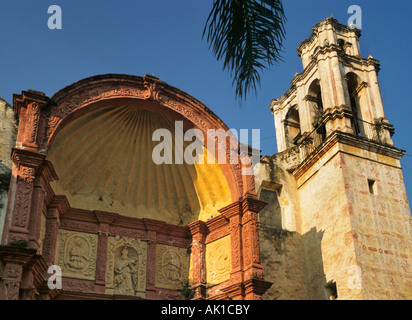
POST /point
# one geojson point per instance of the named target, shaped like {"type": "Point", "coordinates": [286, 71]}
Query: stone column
{"type": "Point", "coordinates": [280, 129]}
{"type": "Point", "coordinates": [306, 109]}
{"type": "Point", "coordinates": [339, 84]}
{"type": "Point", "coordinates": [333, 85]}
{"type": "Point", "coordinates": [375, 94]}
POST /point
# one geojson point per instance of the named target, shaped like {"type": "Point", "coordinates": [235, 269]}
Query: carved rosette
{"type": "Point", "coordinates": [76, 254]}
{"type": "Point", "coordinates": [126, 266]}
{"type": "Point", "coordinates": [172, 267]}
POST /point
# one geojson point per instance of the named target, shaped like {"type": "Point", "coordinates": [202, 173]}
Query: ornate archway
{"type": "Point", "coordinates": [85, 190]}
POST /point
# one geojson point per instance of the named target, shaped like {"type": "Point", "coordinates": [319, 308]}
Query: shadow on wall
{"type": "Point", "coordinates": [293, 263]}
{"type": "Point", "coordinates": [5, 175]}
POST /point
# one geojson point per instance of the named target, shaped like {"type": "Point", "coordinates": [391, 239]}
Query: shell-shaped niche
{"type": "Point", "coordinates": [104, 162]}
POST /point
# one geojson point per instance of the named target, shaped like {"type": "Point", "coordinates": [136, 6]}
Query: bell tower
{"type": "Point", "coordinates": [338, 90]}
{"type": "Point", "coordinates": [340, 172]}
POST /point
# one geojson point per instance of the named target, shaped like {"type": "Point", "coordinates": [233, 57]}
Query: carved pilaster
{"type": "Point", "coordinates": [28, 106]}
{"type": "Point", "coordinates": [105, 219]}
{"type": "Point", "coordinates": [58, 206]}
{"type": "Point", "coordinates": [13, 273]}
{"type": "Point", "coordinates": [198, 230]}
{"type": "Point", "coordinates": [14, 260]}
{"type": "Point", "coordinates": [151, 265]}
{"type": "Point", "coordinates": [41, 197]}
{"type": "Point", "coordinates": [247, 272]}
{"type": "Point", "coordinates": [35, 217]}
{"type": "Point", "coordinates": [152, 228]}
{"type": "Point", "coordinates": [233, 213]}
{"type": "Point", "coordinates": [250, 233]}
{"type": "Point", "coordinates": [34, 280]}
{"type": "Point", "coordinates": [101, 256]}
{"type": "Point", "coordinates": [26, 164]}
{"type": "Point", "coordinates": [32, 125]}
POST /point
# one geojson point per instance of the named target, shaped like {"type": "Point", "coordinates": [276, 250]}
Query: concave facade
{"type": "Point", "coordinates": [89, 197]}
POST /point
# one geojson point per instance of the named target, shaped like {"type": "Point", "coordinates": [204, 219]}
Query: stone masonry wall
{"type": "Point", "coordinates": [8, 133]}
{"type": "Point", "coordinates": [326, 223]}
{"type": "Point", "coordinates": [382, 227]}
{"type": "Point", "coordinates": [281, 247]}
{"type": "Point", "coordinates": [283, 261]}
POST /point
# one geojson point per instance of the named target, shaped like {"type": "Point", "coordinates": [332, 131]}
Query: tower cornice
{"type": "Point", "coordinates": [336, 25]}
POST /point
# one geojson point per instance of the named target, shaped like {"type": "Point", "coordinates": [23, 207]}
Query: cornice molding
{"type": "Point", "coordinates": [351, 140]}
{"type": "Point", "coordinates": [335, 24]}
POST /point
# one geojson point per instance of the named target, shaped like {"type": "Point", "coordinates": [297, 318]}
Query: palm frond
{"type": "Point", "coordinates": [247, 35]}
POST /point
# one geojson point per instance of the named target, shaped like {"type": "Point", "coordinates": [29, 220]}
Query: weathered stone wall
{"type": "Point", "coordinates": [324, 208]}
{"type": "Point", "coordinates": [382, 227]}
{"type": "Point", "coordinates": [282, 258]}
{"type": "Point", "coordinates": [273, 173]}
{"type": "Point", "coordinates": [8, 133]}
{"type": "Point", "coordinates": [282, 250]}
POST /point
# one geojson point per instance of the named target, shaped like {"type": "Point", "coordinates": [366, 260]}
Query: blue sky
{"type": "Point", "coordinates": [164, 38]}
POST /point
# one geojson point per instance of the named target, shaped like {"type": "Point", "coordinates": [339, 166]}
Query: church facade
{"type": "Point", "coordinates": [86, 213]}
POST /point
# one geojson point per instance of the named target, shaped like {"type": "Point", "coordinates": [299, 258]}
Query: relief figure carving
{"type": "Point", "coordinates": [218, 261]}
{"type": "Point", "coordinates": [172, 267]}
{"type": "Point", "coordinates": [126, 266]}
{"type": "Point", "coordinates": [125, 272]}
{"type": "Point", "coordinates": [76, 254]}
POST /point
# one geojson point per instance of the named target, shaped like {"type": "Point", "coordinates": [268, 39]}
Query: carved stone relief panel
{"type": "Point", "coordinates": [172, 267]}
{"type": "Point", "coordinates": [218, 261]}
{"type": "Point", "coordinates": [76, 254]}
{"type": "Point", "coordinates": [126, 266]}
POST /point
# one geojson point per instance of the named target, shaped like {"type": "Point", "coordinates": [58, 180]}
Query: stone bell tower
{"type": "Point", "coordinates": [338, 89]}
{"type": "Point", "coordinates": [337, 179]}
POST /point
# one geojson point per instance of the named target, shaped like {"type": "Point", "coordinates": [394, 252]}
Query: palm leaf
{"type": "Point", "coordinates": [247, 35]}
